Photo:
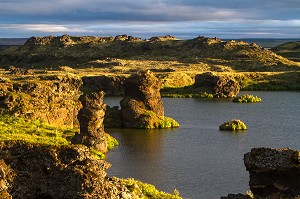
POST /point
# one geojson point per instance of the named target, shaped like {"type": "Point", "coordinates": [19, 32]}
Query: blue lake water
{"type": "Point", "coordinates": [198, 159]}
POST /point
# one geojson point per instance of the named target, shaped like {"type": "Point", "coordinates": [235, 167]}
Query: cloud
{"type": "Point", "coordinates": [178, 17]}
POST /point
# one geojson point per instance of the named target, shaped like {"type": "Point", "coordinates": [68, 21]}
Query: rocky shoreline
{"type": "Point", "coordinates": [73, 97]}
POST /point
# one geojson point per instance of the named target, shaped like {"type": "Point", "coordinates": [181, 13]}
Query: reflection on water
{"type": "Point", "coordinates": [198, 159]}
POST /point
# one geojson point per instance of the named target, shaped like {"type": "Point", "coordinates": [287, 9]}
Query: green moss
{"type": "Point", "coordinates": [150, 120]}
{"type": "Point", "coordinates": [246, 99]}
{"type": "Point", "coordinates": [233, 125]}
{"type": "Point", "coordinates": [97, 154]}
{"type": "Point", "coordinates": [168, 122]}
{"type": "Point", "coordinates": [148, 191]}
{"type": "Point", "coordinates": [38, 131]}
{"type": "Point", "coordinates": [111, 142]}
{"type": "Point", "coordinates": [33, 131]}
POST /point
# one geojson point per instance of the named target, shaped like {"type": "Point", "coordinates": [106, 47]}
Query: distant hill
{"type": "Point", "coordinates": [12, 41]}
{"type": "Point", "coordinates": [290, 50]}
{"type": "Point", "coordinates": [84, 51]}
{"type": "Point", "coordinates": [268, 42]}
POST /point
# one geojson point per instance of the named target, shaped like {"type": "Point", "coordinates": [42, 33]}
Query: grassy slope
{"type": "Point", "coordinates": [290, 50]}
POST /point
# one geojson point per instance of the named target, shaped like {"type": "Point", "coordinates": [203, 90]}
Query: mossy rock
{"type": "Point", "coordinates": [246, 99]}
{"type": "Point", "coordinates": [233, 125]}
{"type": "Point", "coordinates": [150, 120]}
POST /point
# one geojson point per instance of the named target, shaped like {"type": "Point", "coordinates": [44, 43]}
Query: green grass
{"type": "Point", "coordinates": [147, 190]}
{"type": "Point", "coordinates": [33, 131]}
{"type": "Point", "coordinates": [37, 131]}
{"type": "Point", "coordinates": [246, 99]}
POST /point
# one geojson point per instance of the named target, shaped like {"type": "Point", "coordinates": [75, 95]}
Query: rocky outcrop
{"type": "Point", "coordinates": [55, 172]}
{"type": "Point", "coordinates": [67, 40]}
{"type": "Point", "coordinates": [218, 85]}
{"type": "Point", "coordinates": [54, 101]}
{"type": "Point", "coordinates": [274, 173]}
{"type": "Point", "coordinates": [111, 85]}
{"type": "Point", "coordinates": [142, 106]}
{"type": "Point", "coordinates": [90, 119]}
{"type": "Point", "coordinates": [113, 117]}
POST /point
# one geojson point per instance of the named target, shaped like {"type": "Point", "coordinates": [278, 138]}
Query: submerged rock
{"type": "Point", "coordinates": [274, 173]}
{"type": "Point", "coordinates": [142, 106]}
{"type": "Point", "coordinates": [90, 119]}
{"type": "Point", "coordinates": [218, 85]}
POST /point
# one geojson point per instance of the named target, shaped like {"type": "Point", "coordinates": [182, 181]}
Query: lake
{"type": "Point", "coordinates": [198, 159]}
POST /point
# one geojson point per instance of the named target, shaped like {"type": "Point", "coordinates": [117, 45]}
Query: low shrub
{"type": "Point", "coordinates": [246, 99]}
{"type": "Point", "coordinates": [111, 142]}
{"type": "Point", "coordinates": [148, 191]}
{"type": "Point", "coordinates": [233, 125]}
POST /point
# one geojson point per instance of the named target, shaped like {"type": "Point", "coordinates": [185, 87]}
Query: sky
{"type": "Point", "coordinates": [146, 18]}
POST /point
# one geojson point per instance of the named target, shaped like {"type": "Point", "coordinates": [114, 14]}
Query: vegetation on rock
{"type": "Point", "coordinates": [246, 99]}
{"type": "Point", "coordinates": [149, 191]}
{"type": "Point", "coordinates": [233, 125]}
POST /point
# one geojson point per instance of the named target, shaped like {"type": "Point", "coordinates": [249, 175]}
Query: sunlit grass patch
{"type": "Point", "coordinates": [33, 131]}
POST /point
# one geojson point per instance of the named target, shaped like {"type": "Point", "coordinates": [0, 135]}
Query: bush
{"type": "Point", "coordinates": [233, 125]}
{"type": "Point", "coordinates": [111, 142]}
{"type": "Point", "coordinates": [148, 190]}
{"type": "Point", "coordinates": [246, 99]}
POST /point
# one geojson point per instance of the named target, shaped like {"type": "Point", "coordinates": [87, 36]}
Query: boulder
{"type": "Point", "coordinates": [55, 172]}
{"type": "Point", "coordinates": [90, 119]}
{"type": "Point", "coordinates": [274, 173]}
{"type": "Point", "coordinates": [218, 85]}
{"type": "Point", "coordinates": [142, 106]}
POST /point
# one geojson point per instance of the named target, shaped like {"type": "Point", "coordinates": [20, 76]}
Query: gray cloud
{"type": "Point", "coordinates": [181, 17]}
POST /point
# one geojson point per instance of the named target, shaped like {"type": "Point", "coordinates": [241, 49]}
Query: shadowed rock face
{"type": "Point", "coordinates": [52, 172]}
{"type": "Point", "coordinates": [110, 85]}
{"type": "Point", "coordinates": [90, 119]}
{"type": "Point", "coordinates": [142, 98]}
{"type": "Point", "coordinates": [219, 86]}
{"type": "Point", "coordinates": [274, 173]}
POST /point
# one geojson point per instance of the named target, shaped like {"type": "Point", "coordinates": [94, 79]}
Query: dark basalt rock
{"type": "Point", "coordinates": [90, 119]}
{"type": "Point", "coordinates": [218, 85]}
{"type": "Point", "coordinates": [55, 172]}
{"type": "Point", "coordinates": [111, 85]}
{"type": "Point", "coordinates": [113, 117]}
{"type": "Point", "coordinates": [142, 106]}
{"type": "Point", "coordinates": [142, 96]}
{"type": "Point", "coordinates": [274, 173]}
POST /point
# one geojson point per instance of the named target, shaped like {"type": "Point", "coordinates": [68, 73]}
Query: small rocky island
{"type": "Point", "coordinates": [142, 106]}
